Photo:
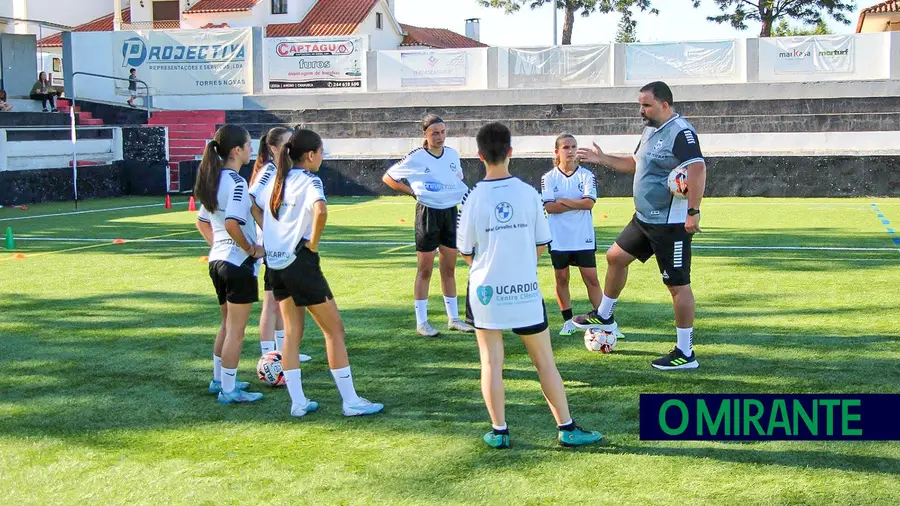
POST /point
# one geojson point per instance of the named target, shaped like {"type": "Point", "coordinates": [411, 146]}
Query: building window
{"type": "Point", "coordinates": [279, 6]}
{"type": "Point", "coordinates": [379, 21]}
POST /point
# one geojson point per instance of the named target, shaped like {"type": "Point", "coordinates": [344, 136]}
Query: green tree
{"type": "Point", "coordinates": [627, 31]}
{"type": "Point", "coordinates": [768, 12]}
{"type": "Point", "coordinates": [572, 7]}
{"type": "Point", "coordinates": [786, 30]}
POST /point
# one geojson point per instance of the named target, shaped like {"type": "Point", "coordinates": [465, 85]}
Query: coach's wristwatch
{"type": "Point", "coordinates": [693, 211]}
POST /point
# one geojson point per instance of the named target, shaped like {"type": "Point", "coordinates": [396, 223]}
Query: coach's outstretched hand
{"type": "Point", "coordinates": [590, 155]}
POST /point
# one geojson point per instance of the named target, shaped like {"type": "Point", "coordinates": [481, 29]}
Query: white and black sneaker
{"type": "Point", "coordinates": [593, 320]}
{"type": "Point", "coordinates": [676, 360]}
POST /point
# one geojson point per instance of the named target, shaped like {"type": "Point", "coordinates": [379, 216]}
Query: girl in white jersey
{"type": "Point", "coordinates": [569, 192]}
{"type": "Point", "coordinates": [224, 221]}
{"type": "Point", "coordinates": [271, 326]}
{"type": "Point", "coordinates": [502, 232]}
{"type": "Point", "coordinates": [295, 212]}
{"type": "Point", "coordinates": [434, 177]}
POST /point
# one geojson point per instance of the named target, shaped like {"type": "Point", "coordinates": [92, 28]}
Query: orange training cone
{"type": "Point", "coordinates": [168, 202]}
{"type": "Point", "coordinates": [119, 241]}
{"type": "Point", "coordinates": [19, 256]}
{"type": "Point", "coordinates": [203, 259]}
{"type": "Point", "coordinates": [192, 205]}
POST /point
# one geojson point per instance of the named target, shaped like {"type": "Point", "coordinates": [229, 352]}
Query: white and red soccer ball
{"type": "Point", "coordinates": [601, 341]}
{"type": "Point", "coordinates": [269, 369]}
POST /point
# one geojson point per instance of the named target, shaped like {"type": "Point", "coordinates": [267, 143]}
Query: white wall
{"type": "Point", "coordinates": [872, 60]}
{"type": "Point", "coordinates": [138, 14]}
{"type": "Point", "coordinates": [259, 15]}
{"type": "Point", "coordinates": [63, 12]}
{"type": "Point", "coordinates": [234, 19]}
{"type": "Point", "coordinates": [390, 70]}
{"type": "Point", "coordinates": [380, 40]}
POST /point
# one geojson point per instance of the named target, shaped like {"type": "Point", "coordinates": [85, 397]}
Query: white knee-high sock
{"type": "Point", "coordinates": [344, 381]}
{"type": "Point", "coordinates": [452, 306]}
{"type": "Point", "coordinates": [685, 340]}
{"type": "Point", "coordinates": [421, 311]}
{"type": "Point", "coordinates": [295, 387]}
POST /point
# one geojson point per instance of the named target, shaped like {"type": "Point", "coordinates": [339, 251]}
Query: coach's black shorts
{"type": "Point", "coordinates": [236, 284]}
{"type": "Point", "coordinates": [435, 227]}
{"type": "Point", "coordinates": [670, 243]}
{"type": "Point", "coordinates": [521, 331]}
{"type": "Point", "coordinates": [563, 259]}
{"type": "Point", "coordinates": [302, 280]}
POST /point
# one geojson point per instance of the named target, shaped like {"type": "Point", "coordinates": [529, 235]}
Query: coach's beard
{"type": "Point", "coordinates": [649, 122]}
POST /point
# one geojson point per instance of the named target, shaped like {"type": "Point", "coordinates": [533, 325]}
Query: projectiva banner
{"type": "Point", "coordinates": [809, 55]}
{"type": "Point", "coordinates": [186, 62]}
{"type": "Point", "coordinates": [300, 63]}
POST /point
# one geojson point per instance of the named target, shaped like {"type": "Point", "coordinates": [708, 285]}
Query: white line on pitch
{"type": "Point", "coordinates": [90, 211]}
{"type": "Point", "coordinates": [397, 243]}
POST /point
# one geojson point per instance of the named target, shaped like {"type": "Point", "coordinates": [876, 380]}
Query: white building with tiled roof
{"type": "Point", "coordinates": [282, 18]}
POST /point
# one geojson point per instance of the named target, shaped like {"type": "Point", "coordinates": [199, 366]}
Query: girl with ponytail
{"type": "Point", "coordinates": [569, 192]}
{"type": "Point", "coordinates": [225, 222]}
{"type": "Point", "coordinates": [295, 212]}
{"type": "Point", "coordinates": [271, 326]}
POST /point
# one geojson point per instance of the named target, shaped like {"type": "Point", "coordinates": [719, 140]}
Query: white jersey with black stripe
{"type": "Point", "coordinates": [437, 181]}
{"type": "Point", "coordinates": [501, 223]}
{"type": "Point", "coordinates": [572, 230]}
{"type": "Point", "coordinates": [232, 202]}
{"type": "Point", "coordinates": [266, 176]}
{"type": "Point", "coordinates": [302, 189]}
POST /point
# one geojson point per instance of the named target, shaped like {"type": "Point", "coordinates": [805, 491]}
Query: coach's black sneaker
{"type": "Point", "coordinates": [593, 320]}
{"type": "Point", "coordinates": [676, 360]}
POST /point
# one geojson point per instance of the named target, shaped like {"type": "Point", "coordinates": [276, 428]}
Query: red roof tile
{"type": "Point", "coordinates": [326, 18]}
{"type": "Point", "coordinates": [882, 8]}
{"type": "Point", "coordinates": [205, 6]}
{"type": "Point", "coordinates": [437, 38]}
{"type": "Point", "coordinates": [104, 24]}
{"type": "Point", "coordinates": [211, 25]}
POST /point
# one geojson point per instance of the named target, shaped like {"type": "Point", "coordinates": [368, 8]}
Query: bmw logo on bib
{"type": "Point", "coordinates": [503, 212]}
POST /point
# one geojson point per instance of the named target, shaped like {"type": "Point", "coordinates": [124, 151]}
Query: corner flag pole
{"type": "Point", "coordinates": [74, 153]}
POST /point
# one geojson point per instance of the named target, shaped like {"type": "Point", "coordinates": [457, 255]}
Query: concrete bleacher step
{"type": "Point", "coordinates": [734, 124]}
{"type": "Point", "coordinates": [778, 107]}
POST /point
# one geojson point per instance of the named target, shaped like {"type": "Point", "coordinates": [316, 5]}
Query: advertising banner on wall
{"type": "Point", "coordinates": [299, 63]}
{"type": "Point", "coordinates": [186, 62]}
{"type": "Point", "coordinates": [433, 68]}
{"type": "Point", "coordinates": [554, 67]}
{"type": "Point", "coordinates": [680, 60]}
{"type": "Point", "coordinates": [809, 55]}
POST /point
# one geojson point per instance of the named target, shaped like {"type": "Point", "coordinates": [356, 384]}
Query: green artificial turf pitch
{"type": "Point", "coordinates": [105, 359]}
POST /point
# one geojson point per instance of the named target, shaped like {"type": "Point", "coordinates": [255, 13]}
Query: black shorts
{"type": "Point", "coordinates": [233, 283]}
{"type": "Point", "coordinates": [435, 227]}
{"type": "Point", "coordinates": [302, 280]}
{"type": "Point", "coordinates": [670, 243]}
{"type": "Point", "coordinates": [563, 259]}
{"type": "Point", "coordinates": [521, 331]}
{"type": "Point", "coordinates": [267, 277]}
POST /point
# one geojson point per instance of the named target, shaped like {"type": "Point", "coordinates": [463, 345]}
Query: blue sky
{"type": "Point", "coordinates": [677, 20]}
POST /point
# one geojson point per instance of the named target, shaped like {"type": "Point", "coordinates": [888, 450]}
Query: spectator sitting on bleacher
{"type": "Point", "coordinates": [45, 92]}
{"type": "Point", "coordinates": [4, 106]}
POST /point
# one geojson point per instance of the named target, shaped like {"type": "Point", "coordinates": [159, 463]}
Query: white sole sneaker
{"type": "Point", "coordinates": [299, 410]}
